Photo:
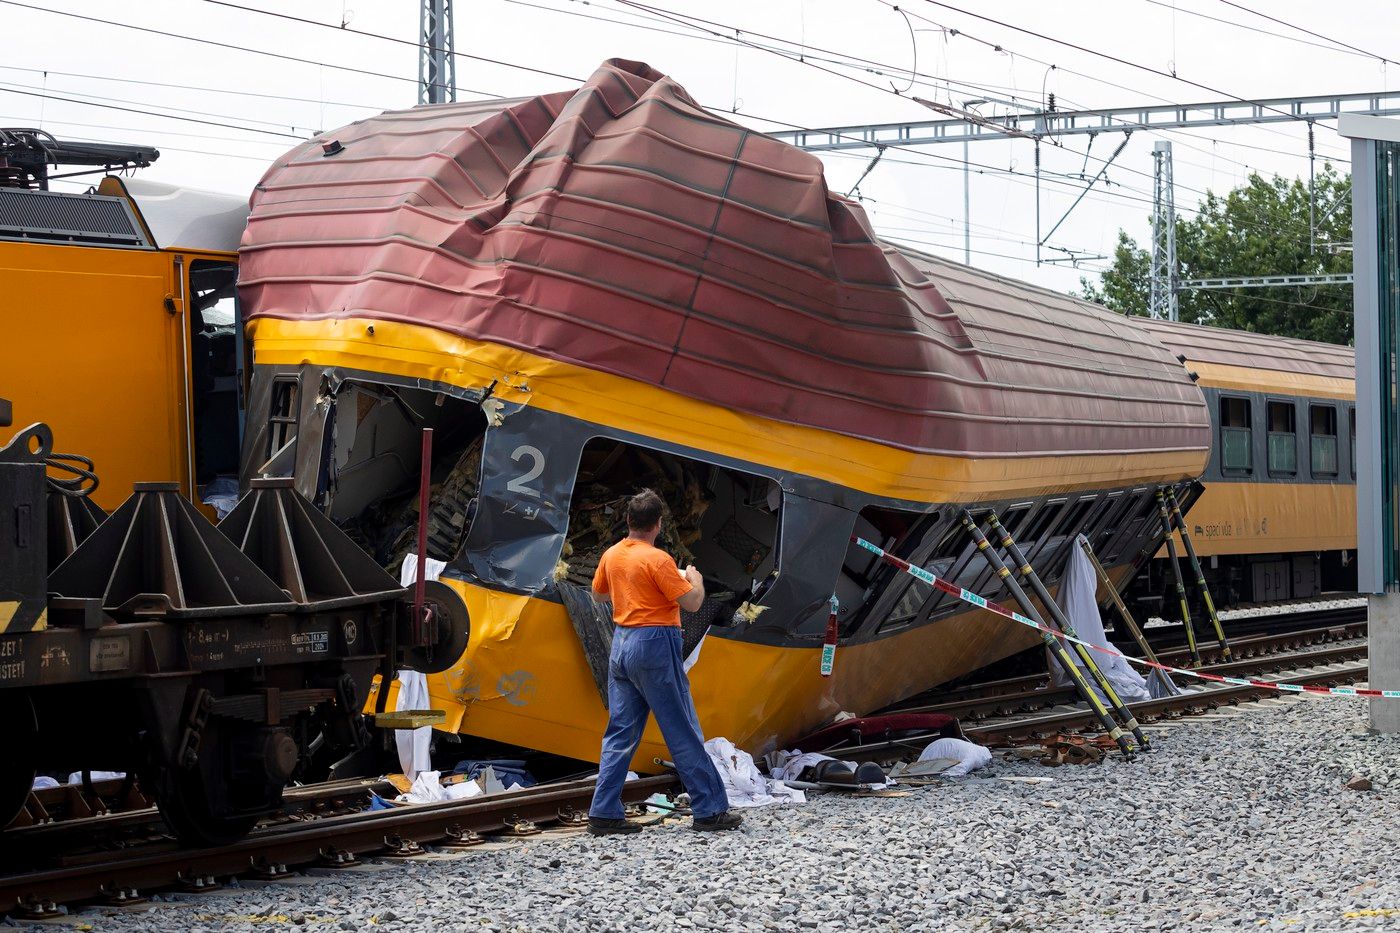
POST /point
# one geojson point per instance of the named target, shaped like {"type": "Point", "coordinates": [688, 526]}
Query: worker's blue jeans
{"type": "Point", "coordinates": [645, 675]}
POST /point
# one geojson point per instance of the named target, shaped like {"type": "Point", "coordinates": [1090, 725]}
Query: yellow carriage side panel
{"type": "Point", "coordinates": [602, 398]}
{"type": "Point", "coordinates": [1267, 518]}
{"type": "Point", "coordinates": [91, 349]}
{"type": "Point", "coordinates": [524, 679]}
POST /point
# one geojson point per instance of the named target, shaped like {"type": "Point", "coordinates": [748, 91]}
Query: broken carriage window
{"type": "Point", "coordinates": [373, 468]}
{"type": "Point", "coordinates": [1048, 553]}
{"type": "Point", "coordinates": [867, 585]}
{"type": "Point", "coordinates": [954, 559]}
{"type": "Point", "coordinates": [1141, 505]}
{"type": "Point", "coordinates": [723, 521]}
{"type": "Point", "coordinates": [282, 415]}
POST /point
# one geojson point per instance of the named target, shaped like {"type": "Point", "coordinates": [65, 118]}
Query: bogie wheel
{"type": "Point", "coordinates": [17, 766]}
{"type": "Point", "coordinates": [185, 806]}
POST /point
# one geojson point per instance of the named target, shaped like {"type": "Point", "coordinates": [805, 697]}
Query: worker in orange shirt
{"type": "Point", "coordinates": [645, 674]}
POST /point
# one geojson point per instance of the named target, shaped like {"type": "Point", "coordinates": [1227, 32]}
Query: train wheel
{"type": "Point", "coordinates": [17, 766]}
{"type": "Point", "coordinates": [185, 806]}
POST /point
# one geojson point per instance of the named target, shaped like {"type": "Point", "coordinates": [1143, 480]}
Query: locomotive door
{"type": "Point", "coordinates": [214, 380]}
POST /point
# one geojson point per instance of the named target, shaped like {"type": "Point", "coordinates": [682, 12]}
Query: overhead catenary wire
{"type": "Point", "coordinates": [799, 49]}
{"type": "Point", "coordinates": [958, 247]}
{"type": "Point", "coordinates": [149, 113]}
{"type": "Point", "coordinates": [203, 89]}
{"type": "Point", "coordinates": [953, 162]}
{"type": "Point", "coordinates": [263, 160]}
{"type": "Point", "coordinates": [1317, 35]}
{"type": "Point", "coordinates": [208, 114]}
{"type": "Point", "coordinates": [1267, 32]}
{"type": "Point", "coordinates": [694, 23]}
{"type": "Point", "coordinates": [1107, 56]}
{"type": "Point", "coordinates": [376, 35]}
{"type": "Point", "coordinates": [231, 46]}
{"type": "Point", "coordinates": [1107, 83]}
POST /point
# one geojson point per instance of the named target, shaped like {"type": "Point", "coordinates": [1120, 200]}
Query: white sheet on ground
{"type": "Point", "coordinates": [744, 785]}
{"type": "Point", "coordinates": [1077, 598]}
{"type": "Point", "coordinates": [427, 788]}
{"type": "Point", "coordinates": [970, 756]}
{"type": "Point", "coordinates": [77, 776]}
{"type": "Point", "coordinates": [413, 686]}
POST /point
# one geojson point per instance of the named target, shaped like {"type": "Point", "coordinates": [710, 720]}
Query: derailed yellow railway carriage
{"type": "Point", "coordinates": [1278, 517]}
{"type": "Point", "coordinates": [599, 289]}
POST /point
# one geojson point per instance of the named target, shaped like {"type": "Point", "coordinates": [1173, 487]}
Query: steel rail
{"type": "Point", "coordinates": [113, 828]}
{"type": "Point", "coordinates": [1250, 647]}
{"type": "Point", "coordinates": [327, 841]}
{"type": "Point", "coordinates": [1279, 622]}
{"type": "Point", "coordinates": [1028, 700]}
{"type": "Point", "coordinates": [1083, 719]}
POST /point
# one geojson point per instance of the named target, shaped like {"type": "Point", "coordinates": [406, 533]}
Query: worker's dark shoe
{"type": "Point", "coordinates": [601, 827]}
{"type": "Point", "coordinates": [726, 820]}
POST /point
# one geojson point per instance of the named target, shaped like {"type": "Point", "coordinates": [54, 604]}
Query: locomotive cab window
{"type": "Point", "coordinates": [1323, 433]}
{"type": "Point", "coordinates": [1283, 438]}
{"type": "Point", "coordinates": [1236, 436]}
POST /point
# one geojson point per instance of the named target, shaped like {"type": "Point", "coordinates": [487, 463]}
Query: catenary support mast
{"type": "Point", "coordinates": [437, 64]}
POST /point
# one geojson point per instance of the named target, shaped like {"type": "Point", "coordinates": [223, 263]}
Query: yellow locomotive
{"type": "Point", "coordinates": [135, 280]}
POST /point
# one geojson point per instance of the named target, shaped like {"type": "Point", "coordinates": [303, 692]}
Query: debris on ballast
{"type": "Point", "coordinates": [1358, 782]}
{"type": "Point", "coordinates": [744, 784]}
{"type": "Point", "coordinates": [963, 756]}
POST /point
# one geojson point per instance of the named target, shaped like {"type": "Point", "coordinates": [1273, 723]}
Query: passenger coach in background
{"type": "Point", "coordinates": [609, 287]}
{"type": "Point", "coordinates": [1277, 519]}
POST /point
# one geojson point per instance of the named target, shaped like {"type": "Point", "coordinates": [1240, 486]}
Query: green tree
{"type": "Point", "coordinates": [1259, 228]}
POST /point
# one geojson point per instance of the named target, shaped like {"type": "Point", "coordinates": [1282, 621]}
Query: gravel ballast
{"type": "Point", "coordinates": [1234, 822]}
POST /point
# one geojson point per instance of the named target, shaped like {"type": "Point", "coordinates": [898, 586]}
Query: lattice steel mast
{"type": "Point", "coordinates": [437, 65]}
{"type": "Point", "coordinates": [1161, 302]}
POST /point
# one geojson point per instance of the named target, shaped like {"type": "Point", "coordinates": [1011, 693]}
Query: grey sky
{"type": "Point", "coordinates": [913, 195]}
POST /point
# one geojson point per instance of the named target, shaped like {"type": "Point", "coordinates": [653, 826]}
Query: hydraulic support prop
{"type": "Point", "coordinates": [1176, 575]}
{"type": "Point", "coordinates": [1062, 622]}
{"type": "Point", "coordinates": [1055, 645]}
{"type": "Point", "coordinates": [1180, 521]}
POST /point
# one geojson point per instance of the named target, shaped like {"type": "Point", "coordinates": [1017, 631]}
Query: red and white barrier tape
{"type": "Point", "coordinates": [968, 596]}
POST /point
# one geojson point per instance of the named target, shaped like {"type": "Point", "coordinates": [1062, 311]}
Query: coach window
{"type": "Point", "coordinates": [1351, 436]}
{"type": "Point", "coordinates": [1283, 438]}
{"type": "Point", "coordinates": [1236, 446]}
{"type": "Point", "coordinates": [1323, 431]}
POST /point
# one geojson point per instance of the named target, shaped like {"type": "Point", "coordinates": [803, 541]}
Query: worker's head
{"type": "Point", "coordinates": [644, 511]}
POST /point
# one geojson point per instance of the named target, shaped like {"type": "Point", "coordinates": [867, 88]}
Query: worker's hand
{"type": "Point", "coordinates": [693, 576]}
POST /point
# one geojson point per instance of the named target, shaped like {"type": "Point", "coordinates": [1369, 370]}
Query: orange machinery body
{"type": "Point", "coordinates": [97, 342]}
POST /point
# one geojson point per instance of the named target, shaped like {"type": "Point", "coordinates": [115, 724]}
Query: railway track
{"type": "Point", "coordinates": [112, 849]}
{"type": "Point", "coordinates": [336, 841]}
{"type": "Point", "coordinates": [1289, 620]}
{"type": "Point", "coordinates": [1330, 665]}
{"type": "Point", "coordinates": [978, 698]}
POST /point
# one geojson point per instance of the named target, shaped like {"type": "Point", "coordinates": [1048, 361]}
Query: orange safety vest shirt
{"type": "Point", "coordinates": [644, 583]}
